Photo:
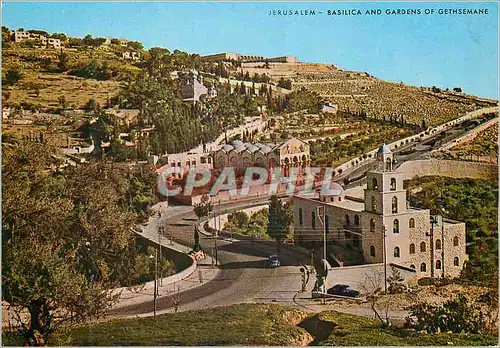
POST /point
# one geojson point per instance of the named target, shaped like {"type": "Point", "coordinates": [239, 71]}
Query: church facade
{"type": "Point", "coordinates": [383, 223]}
{"type": "Point", "coordinates": [290, 153]}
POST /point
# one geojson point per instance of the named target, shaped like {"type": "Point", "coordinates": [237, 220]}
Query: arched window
{"type": "Point", "coordinates": [372, 225]}
{"type": "Point", "coordinates": [395, 226]}
{"type": "Point", "coordinates": [347, 220]}
{"type": "Point", "coordinates": [388, 164]}
{"type": "Point", "coordinates": [356, 220]}
{"type": "Point", "coordinates": [412, 248]}
{"type": "Point", "coordinates": [374, 204]}
{"type": "Point", "coordinates": [394, 205]}
{"type": "Point", "coordinates": [438, 264]}
{"type": "Point", "coordinates": [411, 224]}
{"type": "Point", "coordinates": [396, 252]}
{"type": "Point", "coordinates": [372, 251]}
{"type": "Point", "coordinates": [393, 184]}
{"type": "Point", "coordinates": [438, 244]}
{"type": "Point", "coordinates": [301, 221]}
{"type": "Point", "coordinates": [422, 247]}
{"type": "Point", "coordinates": [455, 241]}
{"type": "Point", "coordinates": [412, 266]}
{"type": "Point", "coordinates": [374, 184]}
{"type": "Point", "coordinates": [313, 220]}
{"type": "Point", "coordinates": [456, 262]}
{"type": "Point", "coordinates": [423, 267]}
{"type": "Point", "coordinates": [327, 223]}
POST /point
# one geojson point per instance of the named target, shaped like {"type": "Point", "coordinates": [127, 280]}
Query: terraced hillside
{"type": "Point", "coordinates": [360, 92]}
{"type": "Point", "coordinates": [43, 85]}
{"type": "Point", "coordinates": [357, 93]}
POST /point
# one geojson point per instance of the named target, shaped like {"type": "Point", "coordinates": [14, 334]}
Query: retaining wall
{"type": "Point", "coordinates": [449, 168]}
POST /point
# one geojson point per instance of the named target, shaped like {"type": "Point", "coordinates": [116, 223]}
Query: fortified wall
{"type": "Point", "coordinates": [449, 168]}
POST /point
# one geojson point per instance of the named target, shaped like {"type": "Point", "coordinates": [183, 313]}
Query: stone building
{"type": "Point", "coordinates": [291, 153]}
{"type": "Point", "coordinates": [245, 58]}
{"type": "Point", "coordinates": [192, 86]}
{"type": "Point", "coordinates": [21, 36]}
{"type": "Point", "coordinates": [413, 238]}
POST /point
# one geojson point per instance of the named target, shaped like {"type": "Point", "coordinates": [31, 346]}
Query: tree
{"type": "Point", "coordinates": [66, 239]}
{"type": "Point", "coordinates": [371, 287]}
{"type": "Point", "coordinates": [196, 246]}
{"type": "Point", "coordinates": [279, 220]}
{"type": "Point", "coordinates": [60, 36]}
{"type": "Point", "coordinates": [456, 315]}
{"type": "Point", "coordinates": [203, 208]}
{"type": "Point", "coordinates": [136, 45]}
{"type": "Point", "coordinates": [62, 101]}
{"type": "Point", "coordinates": [63, 63]}
{"type": "Point", "coordinates": [11, 77]}
{"type": "Point", "coordinates": [457, 89]}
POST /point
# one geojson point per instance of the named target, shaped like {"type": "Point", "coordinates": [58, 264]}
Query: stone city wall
{"type": "Point", "coordinates": [449, 168]}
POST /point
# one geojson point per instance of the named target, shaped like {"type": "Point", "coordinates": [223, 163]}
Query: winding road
{"type": "Point", "coordinates": [244, 275]}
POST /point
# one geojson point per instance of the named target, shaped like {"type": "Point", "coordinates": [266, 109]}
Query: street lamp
{"type": "Point", "coordinates": [155, 291]}
{"type": "Point", "coordinates": [160, 230]}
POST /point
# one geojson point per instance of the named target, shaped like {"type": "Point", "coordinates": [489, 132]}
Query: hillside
{"type": "Point", "coordinates": [360, 92]}
{"type": "Point", "coordinates": [254, 324]}
{"type": "Point", "coordinates": [43, 85]}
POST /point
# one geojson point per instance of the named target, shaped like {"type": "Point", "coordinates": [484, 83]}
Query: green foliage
{"type": "Point", "coordinates": [254, 225]}
{"type": "Point", "coordinates": [196, 246]}
{"type": "Point", "coordinates": [257, 325]}
{"type": "Point", "coordinates": [203, 208]}
{"type": "Point", "coordinates": [93, 70]}
{"type": "Point", "coordinates": [301, 100]}
{"type": "Point", "coordinates": [12, 76]}
{"type": "Point", "coordinates": [136, 45]}
{"type": "Point", "coordinates": [456, 315]}
{"type": "Point", "coordinates": [349, 330]}
{"type": "Point", "coordinates": [144, 270]}
{"type": "Point", "coordinates": [92, 105]}
{"type": "Point", "coordinates": [60, 36]}
{"type": "Point", "coordinates": [92, 42]}
{"type": "Point", "coordinates": [118, 151]}
{"type": "Point", "coordinates": [75, 42]}
{"type": "Point", "coordinates": [475, 202]}
{"type": "Point", "coordinates": [63, 63]}
{"type": "Point", "coordinates": [285, 83]}
{"type": "Point", "coordinates": [66, 237]}
{"type": "Point", "coordinates": [242, 324]}
{"type": "Point", "coordinates": [280, 218]}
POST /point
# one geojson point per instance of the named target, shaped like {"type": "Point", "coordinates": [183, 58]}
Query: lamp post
{"type": "Point", "coordinates": [155, 291]}
{"type": "Point", "coordinates": [385, 260]}
{"type": "Point", "coordinates": [160, 230]}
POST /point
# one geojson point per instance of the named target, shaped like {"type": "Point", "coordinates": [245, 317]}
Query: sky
{"type": "Point", "coordinates": [443, 50]}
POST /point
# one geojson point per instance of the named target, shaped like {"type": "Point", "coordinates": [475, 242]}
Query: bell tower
{"type": "Point", "coordinates": [384, 193]}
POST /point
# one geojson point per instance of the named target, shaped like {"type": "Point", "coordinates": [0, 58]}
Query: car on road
{"type": "Point", "coordinates": [343, 290]}
{"type": "Point", "coordinates": [273, 261]}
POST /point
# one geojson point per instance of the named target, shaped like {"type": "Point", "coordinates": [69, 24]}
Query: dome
{"type": "Point", "coordinates": [239, 147]}
{"type": "Point", "coordinates": [335, 190]}
{"type": "Point", "coordinates": [384, 149]}
{"type": "Point", "coordinates": [259, 145]}
{"type": "Point", "coordinates": [237, 142]}
{"type": "Point", "coordinates": [251, 148]}
{"type": "Point", "coordinates": [265, 149]}
{"type": "Point", "coordinates": [227, 147]}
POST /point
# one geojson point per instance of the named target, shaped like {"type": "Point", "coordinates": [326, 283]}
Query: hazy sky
{"type": "Point", "coordinates": [446, 50]}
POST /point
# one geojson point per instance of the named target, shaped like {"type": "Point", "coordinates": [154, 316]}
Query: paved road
{"type": "Point", "coordinates": [243, 275]}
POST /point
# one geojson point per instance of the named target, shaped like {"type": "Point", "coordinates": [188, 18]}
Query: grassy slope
{"type": "Point", "coordinates": [254, 324]}
{"type": "Point", "coordinates": [355, 331]}
{"type": "Point", "coordinates": [52, 85]}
